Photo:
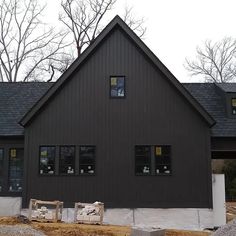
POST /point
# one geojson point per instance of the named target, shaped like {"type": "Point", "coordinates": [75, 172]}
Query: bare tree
{"type": "Point", "coordinates": [83, 19]}
{"type": "Point", "coordinates": [133, 22]}
{"type": "Point", "coordinates": [26, 47]}
{"type": "Point", "coordinates": [216, 61]}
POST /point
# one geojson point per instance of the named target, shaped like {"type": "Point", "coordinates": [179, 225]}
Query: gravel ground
{"type": "Point", "coordinates": [227, 230]}
{"type": "Point", "coordinates": [15, 230]}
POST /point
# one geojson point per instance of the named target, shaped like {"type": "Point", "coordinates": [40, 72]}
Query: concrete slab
{"type": "Point", "coordinates": [10, 206]}
{"type": "Point", "coordinates": [119, 216]}
{"type": "Point", "coordinates": [147, 232]}
{"type": "Point", "coordinates": [206, 218]}
{"type": "Point", "coordinates": [174, 218]}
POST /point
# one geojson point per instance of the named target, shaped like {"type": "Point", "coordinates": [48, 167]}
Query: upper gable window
{"type": "Point", "coordinates": [233, 101]}
{"type": "Point", "coordinates": [117, 86]}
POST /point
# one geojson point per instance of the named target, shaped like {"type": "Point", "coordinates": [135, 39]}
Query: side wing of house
{"type": "Point", "coordinates": [119, 131]}
{"type": "Point", "coordinates": [15, 100]}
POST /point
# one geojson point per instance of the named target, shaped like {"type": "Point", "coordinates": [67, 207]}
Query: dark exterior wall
{"type": "Point", "coordinates": [153, 112]}
{"type": "Point", "coordinates": [223, 143]}
{"type": "Point", "coordinates": [7, 143]}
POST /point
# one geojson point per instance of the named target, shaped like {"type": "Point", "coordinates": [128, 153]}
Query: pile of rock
{"type": "Point", "coordinates": [44, 213]}
{"type": "Point", "coordinates": [227, 230]}
{"type": "Point", "coordinates": [89, 212]}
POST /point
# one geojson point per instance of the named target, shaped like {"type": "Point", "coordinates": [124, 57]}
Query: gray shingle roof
{"type": "Point", "coordinates": [15, 100]}
{"type": "Point", "coordinates": [228, 87]}
{"type": "Point", "coordinates": [208, 97]}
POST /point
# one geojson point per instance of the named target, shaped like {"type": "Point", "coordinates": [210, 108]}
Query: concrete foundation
{"type": "Point", "coordinates": [192, 219]}
{"type": "Point", "coordinates": [10, 206]}
{"type": "Point", "coordinates": [172, 218]}
{"type": "Point", "coordinates": [147, 232]}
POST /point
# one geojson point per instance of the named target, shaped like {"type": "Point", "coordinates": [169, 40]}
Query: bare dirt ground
{"type": "Point", "coordinates": [230, 211]}
{"type": "Point", "coordinates": [65, 229]}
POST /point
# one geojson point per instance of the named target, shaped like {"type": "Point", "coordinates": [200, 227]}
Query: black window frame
{"type": "Point", "coordinates": [16, 171]}
{"type": "Point", "coordinates": [110, 87]}
{"type": "Point", "coordinates": [55, 167]}
{"type": "Point", "coordinates": [233, 108]}
{"type": "Point", "coordinates": [2, 162]}
{"type": "Point", "coordinates": [94, 164]}
{"type": "Point", "coordinates": [150, 161]}
{"type": "Point", "coordinates": [164, 158]}
{"type": "Point", "coordinates": [60, 154]}
{"type": "Point", "coordinates": [2, 168]}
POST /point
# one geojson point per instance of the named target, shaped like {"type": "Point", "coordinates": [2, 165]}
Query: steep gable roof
{"type": "Point", "coordinates": [117, 22]}
{"type": "Point", "coordinates": [207, 96]}
{"type": "Point", "coordinates": [15, 100]}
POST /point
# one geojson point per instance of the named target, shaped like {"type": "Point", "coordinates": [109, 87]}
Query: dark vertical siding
{"type": "Point", "coordinates": [153, 112]}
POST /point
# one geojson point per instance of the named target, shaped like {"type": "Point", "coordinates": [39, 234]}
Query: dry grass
{"type": "Point", "coordinates": [66, 229]}
{"type": "Point", "coordinates": [56, 229]}
{"type": "Point", "coordinates": [230, 211]}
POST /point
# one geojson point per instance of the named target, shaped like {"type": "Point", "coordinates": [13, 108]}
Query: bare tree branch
{"type": "Point", "coordinates": [83, 18]}
{"type": "Point", "coordinates": [216, 61]}
{"type": "Point", "coordinates": [135, 24]}
{"type": "Point", "coordinates": [25, 41]}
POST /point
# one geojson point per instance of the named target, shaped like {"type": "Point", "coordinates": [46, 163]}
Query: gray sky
{"type": "Point", "coordinates": [175, 28]}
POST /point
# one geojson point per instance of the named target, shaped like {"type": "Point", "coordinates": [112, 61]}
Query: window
{"type": "Point", "coordinates": [152, 160]}
{"type": "Point", "coordinates": [67, 160]}
{"type": "Point", "coordinates": [15, 169]}
{"type": "Point", "coordinates": [143, 160]}
{"type": "Point", "coordinates": [47, 160]}
{"type": "Point", "coordinates": [1, 162]}
{"type": "Point", "coordinates": [162, 160]}
{"type": "Point", "coordinates": [1, 168]}
{"type": "Point", "coordinates": [117, 86]}
{"type": "Point", "coordinates": [86, 160]}
{"type": "Point", "coordinates": [233, 101]}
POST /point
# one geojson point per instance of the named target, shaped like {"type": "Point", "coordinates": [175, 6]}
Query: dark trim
{"type": "Point", "coordinates": [170, 156]}
{"type": "Point", "coordinates": [39, 156]}
{"type": "Point", "coordinates": [152, 161]}
{"type": "Point", "coordinates": [2, 175]}
{"type": "Point", "coordinates": [95, 154]}
{"type": "Point", "coordinates": [8, 176]}
{"type": "Point", "coordinates": [66, 174]}
{"type": "Point", "coordinates": [118, 97]}
{"type": "Point", "coordinates": [223, 154]}
{"type": "Point", "coordinates": [77, 162]}
{"type": "Point", "coordinates": [12, 136]}
{"type": "Point", "coordinates": [233, 108]}
{"type": "Point", "coordinates": [117, 21]}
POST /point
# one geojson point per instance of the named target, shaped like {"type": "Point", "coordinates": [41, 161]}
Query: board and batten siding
{"type": "Point", "coordinates": [153, 112]}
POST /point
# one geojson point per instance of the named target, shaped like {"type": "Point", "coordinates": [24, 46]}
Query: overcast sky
{"type": "Point", "coordinates": [176, 27]}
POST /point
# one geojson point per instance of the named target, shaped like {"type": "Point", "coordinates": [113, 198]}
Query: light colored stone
{"type": "Point", "coordinates": [10, 206]}
{"type": "Point", "coordinates": [147, 232]}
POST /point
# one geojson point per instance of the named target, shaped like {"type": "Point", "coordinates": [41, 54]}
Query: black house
{"type": "Point", "coordinates": [116, 127]}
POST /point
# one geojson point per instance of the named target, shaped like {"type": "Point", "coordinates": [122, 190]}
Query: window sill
{"type": "Point", "coordinates": [154, 174]}
{"type": "Point", "coordinates": [65, 175]}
